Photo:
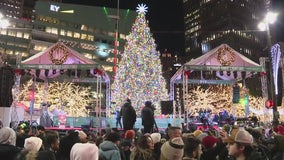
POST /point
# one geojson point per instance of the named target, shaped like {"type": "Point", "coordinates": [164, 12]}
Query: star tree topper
{"type": "Point", "coordinates": [142, 8]}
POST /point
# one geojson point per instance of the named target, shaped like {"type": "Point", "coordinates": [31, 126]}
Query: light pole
{"type": "Point", "coordinates": [116, 36]}
{"type": "Point", "coordinates": [270, 18]}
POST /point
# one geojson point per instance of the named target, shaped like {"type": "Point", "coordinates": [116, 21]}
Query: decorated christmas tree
{"type": "Point", "coordinates": [139, 74]}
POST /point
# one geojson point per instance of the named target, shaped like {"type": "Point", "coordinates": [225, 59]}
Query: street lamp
{"type": "Point", "coordinates": [270, 18]}
{"type": "Point", "coordinates": [4, 23]}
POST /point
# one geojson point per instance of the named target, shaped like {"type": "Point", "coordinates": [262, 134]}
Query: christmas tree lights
{"type": "Point", "coordinates": [139, 75]}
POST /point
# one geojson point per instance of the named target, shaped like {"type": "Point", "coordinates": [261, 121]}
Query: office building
{"type": "Point", "coordinates": [15, 40]}
{"type": "Point", "coordinates": [86, 29]}
{"type": "Point", "coordinates": [209, 23]}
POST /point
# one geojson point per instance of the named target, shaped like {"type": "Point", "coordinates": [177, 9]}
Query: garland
{"type": "Point", "coordinates": [222, 52]}
{"type": "Point", "coordinates": [56, 49]}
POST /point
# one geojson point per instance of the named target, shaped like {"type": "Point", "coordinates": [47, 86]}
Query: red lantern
{"type": "Point", "coordinates": [269, 104]}
{"type": "Point", "coordinates": [115, 60]}
{"type": "Point", "coordinates": [18, 71]}
{"type": "Point", "coordinates": [98, 71]}
{"type": "Point", "coordinates": [187, 73]}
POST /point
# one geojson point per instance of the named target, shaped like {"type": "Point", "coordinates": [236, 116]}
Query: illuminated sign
{"type": "Point", "coordinates": [54, 8]}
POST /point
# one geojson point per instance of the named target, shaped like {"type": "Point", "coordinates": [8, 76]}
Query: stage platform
{"type": "Point", "coordinates": [78, 122]}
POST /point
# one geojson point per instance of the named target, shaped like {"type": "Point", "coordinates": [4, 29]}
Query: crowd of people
{"type": "Point", "coordinates": [229, 142]}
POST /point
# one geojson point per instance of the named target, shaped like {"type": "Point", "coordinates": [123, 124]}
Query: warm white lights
{"type": "Point", "coordinates": [269, 18]}
{"type": "Point", "coordinates": [4, 23]}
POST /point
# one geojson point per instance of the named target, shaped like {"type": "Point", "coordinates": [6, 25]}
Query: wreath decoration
{"type": "Point", "coordinates": [55, 49]}
{"type": "Point", "coordinates": [222, 52]}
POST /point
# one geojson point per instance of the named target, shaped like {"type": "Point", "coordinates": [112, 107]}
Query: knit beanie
{"type": "Point", "coordinates": [209, 141]}
{"type": "Point", "coordinates": [196, 133]}
{"type": "Point", "coordinates": [7, 136]}
{"type": "Point", "coordinates": [156, 137]}
{"type": "Point", "coordinates": [173, 149]}
{"type": "Point", "coordinates": [33, 144]}
{"type": "Point", "coordinates": [84, 151]}
{"type": "Point", "coordinates": [129, 134]}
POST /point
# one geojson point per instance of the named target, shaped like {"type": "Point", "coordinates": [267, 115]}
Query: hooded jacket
{"type": "Point", "coordinates": [109, 151]}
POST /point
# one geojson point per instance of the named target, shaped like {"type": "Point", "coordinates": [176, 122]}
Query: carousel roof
{"type": "Point", "coordinates": [57, 59]}
{"type": "Point", "coordinates": [221, 59]}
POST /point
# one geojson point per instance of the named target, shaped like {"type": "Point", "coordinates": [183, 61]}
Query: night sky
{"type": "Point", "coordinates": [166, 20]}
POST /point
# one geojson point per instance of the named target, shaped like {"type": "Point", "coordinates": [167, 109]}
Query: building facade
{"type": "Point", "coordinates": [89, 30]}
{"type": "Point", "coordinates": [209, 23]}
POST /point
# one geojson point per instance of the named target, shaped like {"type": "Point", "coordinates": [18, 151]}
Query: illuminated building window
{"type": "Point", "coordinates": [90, 38]}
{"type": "Point", "coordinates": [26, 36]}
{"type": "Point", "coordinates": [54, 30]}
{"type": "Point", "coordinates": [62, 32]}
{"type": "Point", "coordinates": [76, 35]}
{"type": "Point", "coordinates": [10, 52]}
{"type": "Point", "coordinates": [83, 36]}
{"type": "Point", "coordinates": [69, 33]}
{"type": "Point", "coordinates": [40, 47]}
{"type": "Point", "coordinates": [122, 36]}
{"type": "Point", "coordinates": [51, 30]}
{"type": "Point", "coordinates": [24, 54]}
{"type": "Point", "coordinates": [19, 34]}
{"type": "Point", "coordinates": [12, 33]}
{"type": "Point", "coordinates": [84, 28]}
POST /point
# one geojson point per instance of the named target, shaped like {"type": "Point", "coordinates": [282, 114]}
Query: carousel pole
{"type": "Point", "coordinates": [97, 104]}
{"type": "Point", "coordinates": [32, 100]}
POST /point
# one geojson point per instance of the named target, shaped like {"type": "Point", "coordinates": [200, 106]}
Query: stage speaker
{"type": "Point", "coordinates": [167, 107]}
{"type": "Point", "coordinates": [236, 93]}
{"type": "Point", "coordinates": [6, 84]}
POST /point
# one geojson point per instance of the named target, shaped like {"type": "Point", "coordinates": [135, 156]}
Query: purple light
{"type": "Point", "coordinates": [275, 55]}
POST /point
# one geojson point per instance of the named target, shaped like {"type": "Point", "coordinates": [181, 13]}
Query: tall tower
{"type": "Point", "coordinates": [209, 23]}
{"type": "Point", "coordinates": [12, 8]}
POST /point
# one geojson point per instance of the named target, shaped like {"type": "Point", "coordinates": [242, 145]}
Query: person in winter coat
{"type": "Point", "coordinates": [126, 144]}
{"type": "Point", "coordinates": [66, 144]}
{"type": "Point", "coordinates": [148, 119]}
{"type": "Point", "coordinates": [276, 147]}
{"type": "Point", "coordinates": [118, 119]}
{"type": "Point", "coordinates": [143, 149]}
{"type": "Point", "coordinates": [108, 150]}
{"type": "Point", "coordinates": [239, 144]}
{"type": "Point", "coordinates": [8, 149]}
{"type": "Point", "coordinates": [128, 115]}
